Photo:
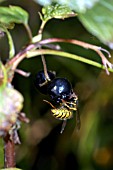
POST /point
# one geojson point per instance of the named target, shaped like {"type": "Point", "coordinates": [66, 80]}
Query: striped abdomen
{"type": "Point", "coordinates": [62, 113]}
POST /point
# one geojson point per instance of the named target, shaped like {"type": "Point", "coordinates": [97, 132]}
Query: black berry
{"type": "Point", "coordinates": [41, 83]}
{"type": "Point", "coordinates": [60, 88]}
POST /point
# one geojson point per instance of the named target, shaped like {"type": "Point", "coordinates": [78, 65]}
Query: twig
{"type": "Point", "coordinates": [95, 48]}
{"type": "Point", "coordinates": [28, 31]}
{"type": "Point", "coordinates": [9, 152]}
{"type": "Point", "coordinates": [13, 63]}
{"type": "Point", "coordinates": [66, 55]}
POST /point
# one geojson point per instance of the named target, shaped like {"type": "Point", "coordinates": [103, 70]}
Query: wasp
{"type": "Point", "coordinates": [65, 111]}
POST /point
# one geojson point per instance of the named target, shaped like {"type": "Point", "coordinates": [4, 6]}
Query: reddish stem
{"type": "Point", "coordinates": [76, 42]}
{"type": "Point", "coordinates": [22, 54]}
{"type": "Point", "coordinates": [9, 152]}
{"type": "Point", "coordinates": [13, 63]}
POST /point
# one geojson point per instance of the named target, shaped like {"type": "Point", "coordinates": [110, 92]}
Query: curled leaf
{"type": "Point", "coordinates": [57, 11]}
{"type": "Point", "coordinates": [13, 14]}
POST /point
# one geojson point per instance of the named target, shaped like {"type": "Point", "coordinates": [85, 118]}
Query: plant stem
{"type": "Point", "coordinates": [9, 152]}
{"type": "Point", "coordinates": [42, 27]}
{"type": "Point", "coordinates": [79, 43]}
{"type": "Point", "coordinates": [45, 68]}
{"type": "Point", "coordinates": [66, 55]}
{"type": "Point", "coordinates": [28, 31]}
{"type": "Point", "coordinates": [30, 51]}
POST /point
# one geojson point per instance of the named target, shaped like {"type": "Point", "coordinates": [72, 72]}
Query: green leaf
{"type": "Point", "coordinates": [99, 21]}
{"type": "Point", "coordinates": [9, 16]}
{"type": "Point", "coordinates": [13, 14]}
{"type": "Point", "coordinates": [77, 5]}
{"type": "Point", "coordinates": [95, 15]}
{"type": "Point", "coordinates": [56, 11]}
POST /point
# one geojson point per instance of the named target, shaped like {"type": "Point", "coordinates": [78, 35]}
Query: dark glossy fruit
{"type": "Point", "coordinates": [60, 88]}
{"type": "Point", "coordinates": [41, 83]}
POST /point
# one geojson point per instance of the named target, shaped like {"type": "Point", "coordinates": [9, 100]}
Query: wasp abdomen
{"type": "Point", "coordinates": [62, 113]}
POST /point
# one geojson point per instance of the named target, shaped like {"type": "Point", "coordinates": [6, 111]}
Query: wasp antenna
{"type": "Point", "coordinates": [49, 104]}
{"type": "Point", "coordinates": [63, 126]}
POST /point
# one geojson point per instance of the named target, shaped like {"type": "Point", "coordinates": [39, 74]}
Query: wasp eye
{"type": "Point", "coordinates": [41, 82]}
{"type": "Point", "coordinates": [60, 88]}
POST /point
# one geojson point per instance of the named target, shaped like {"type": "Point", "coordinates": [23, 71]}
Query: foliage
{"type": "Point", "coordinates": [94, 95]}
{"type": "Point", "coordinates": [13, 14]}
{"type": "Point", "coordinates": [95, 15]}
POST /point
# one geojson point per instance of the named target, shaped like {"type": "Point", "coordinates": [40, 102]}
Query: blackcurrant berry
{"type": "Point", "coordinates": [41, 82]}
{"type": "Point", "coordinates": [60, 88]}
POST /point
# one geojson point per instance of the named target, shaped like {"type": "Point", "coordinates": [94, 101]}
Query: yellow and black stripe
{"type": "Point", "coordinates": [62, 113]}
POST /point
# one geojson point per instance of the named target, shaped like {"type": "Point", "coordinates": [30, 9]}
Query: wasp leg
{"type": "Point", "coordinates": [49, 104]}
{"type": "Point", "coordinates": [66, 104]}
{"type": "Point", "coordinates": [63, 126]}
{"type": "Point", "coordinates": [78, 122]}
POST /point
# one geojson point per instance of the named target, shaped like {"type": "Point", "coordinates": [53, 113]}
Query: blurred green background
{"type": "Point", "coordinates": [42, 146]}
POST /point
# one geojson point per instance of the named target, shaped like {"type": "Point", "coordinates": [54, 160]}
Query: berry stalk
{"type": "Point", "coordinates": [9, 152]}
